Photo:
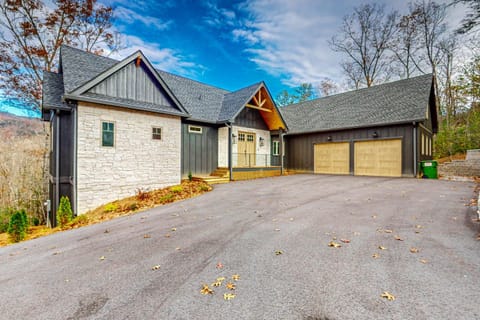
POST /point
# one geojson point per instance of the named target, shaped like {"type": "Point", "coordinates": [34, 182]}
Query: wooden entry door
{"type": "Point", "coordinates": [246, 149]}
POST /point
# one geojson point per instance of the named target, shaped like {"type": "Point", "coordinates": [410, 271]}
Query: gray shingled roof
{"type": "Point", "coordinates": [203, 102]}
{"type": "Point", "coordinates": [52, 90]}
{"type": "Point", "coordinates": [395, 102]}
{"type": "Point", "coordinates": [234, 101]}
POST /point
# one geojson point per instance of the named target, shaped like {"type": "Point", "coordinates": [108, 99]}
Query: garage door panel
{"type": "Point", "coordinates": [378, 158]}
{"type": "Point", "coordinates": [332, 158]}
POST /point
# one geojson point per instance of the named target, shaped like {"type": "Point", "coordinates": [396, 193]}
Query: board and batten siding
{"type": "Point", "coordinates": [134, 83]}
{"type": "Point", "coordinates": [135, 161]}
{"type": "Point", "coordinates": [300, 147]}
{"type": "Point", "coordinates": [200, 150]}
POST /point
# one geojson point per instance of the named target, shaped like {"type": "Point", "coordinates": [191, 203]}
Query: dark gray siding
{"type": "Point", "coordinates": [66, 153]}
{"type": "Point", "coordinates": [299, 148]}
{"type": "Point", "coordinates": [134, 83]}
{"type": "Point", "coordinates": [250, 118]}
{"type": "Point", "coordinates": [199, 151]}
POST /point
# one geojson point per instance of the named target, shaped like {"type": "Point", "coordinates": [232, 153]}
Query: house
{"type": "Point", "coordinates": [384, 130]}
{"type": "Point", "coordinates": [122, 126]}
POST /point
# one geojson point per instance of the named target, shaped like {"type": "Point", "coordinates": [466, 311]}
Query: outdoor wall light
{"type": "Point", "coordinates": [262, 141]}
{"type": "Point", "coordinates": [375, 134]}
{"type": "Point", "coordinates": [234, 138]}
{"type": "Point", "coordinates": [329, 138]}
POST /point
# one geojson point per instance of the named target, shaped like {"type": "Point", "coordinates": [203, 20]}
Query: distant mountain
{"type": "Point", "coordinates": [15, 126]}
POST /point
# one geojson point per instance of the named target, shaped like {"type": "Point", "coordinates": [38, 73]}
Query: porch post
{"type": "Point", "coordinates": [230, 151]}
{"type": "Point", "coordinates": [281, 152]}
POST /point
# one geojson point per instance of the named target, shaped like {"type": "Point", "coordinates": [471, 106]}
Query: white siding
{"type": "Point", "coordinates": [136, 161]}
{"type": "Point", "coordinates": [223, 147]}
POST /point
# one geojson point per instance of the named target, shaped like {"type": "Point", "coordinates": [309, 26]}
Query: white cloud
{"type": "Point", "coordinates": [218, 17]}
{"type": "Point", "coordinates": [162, 58]}
{"type": "Point", "coordinates": [130, 17]}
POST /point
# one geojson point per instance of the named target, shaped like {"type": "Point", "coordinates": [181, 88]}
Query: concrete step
{"type": "Point", "coordinates": [221, 172]}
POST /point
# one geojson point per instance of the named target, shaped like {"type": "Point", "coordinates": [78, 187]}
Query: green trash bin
{"type": "Point", "coordinates": [429, 169]}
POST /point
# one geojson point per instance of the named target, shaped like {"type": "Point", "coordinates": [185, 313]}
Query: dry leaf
{"type": "Point", "coordinates": [236, 277]}
{"type": "Point", "coordinates": [167, 235]}
{"type": "Point", "coordinates": [345, 240]}
{"type": "Point", "coordinates": [291, 219]}
{"type": "Point", "coordinates": [106, 231]}
{"type": "Point", "coordinates": [217, 284]}
{"type": "Point", "coordinates": [375, 255]}
{"type": "Point", "coordinates": [398, 238]}
{"type": "Point", "coordinates": [220, 278]}
{"type": "Point", "coordinates": [424, 261]}
{"type": "Point", "coordinates": [419, 226]}
{"type": "Point", "coordinates": [206, 290]}
{"type": "Point", "coordinates": [414, 250]}
{"type": "Point", "coordinates": [219, 265]}
{"type": "Point", "coordinates": [278, 252]}
{"type": "Point", "coordinates": [356, 233]}
{"type": "Point", "coordinates": [230, 286]}
{"type": "Point", "coordinates": [334, 244]}
{"type": "Point", "coordinates": [388, 296]}
{"type": "Point", "coordinates": [228, 296]}
{"type": "Point", "coordinates": [277, 229]}
{"type": "Point", "coordinates": [388, 231]}
{"type": "Point", "coordinates": [374, 216]}
{"type": "Point", "coordinates": [174, 229]}
{"type": "Point", "coordinates": [382, 248]}
{"type": "Point", "coordinates": [178, 248]}
{"type": "Point", "coordinates": [146, 236]}
{"type": "Point", "coordinates": [156, 267]}
{"type": "Point", "coordinates": [102, 258]}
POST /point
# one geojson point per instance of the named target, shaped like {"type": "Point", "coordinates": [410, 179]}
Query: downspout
{"type": "Point", "coordinates": [414, 149]}
{"type": "Point", "coordinates": [57, 166]}
{"type": "Point", "coordinates": [229, 126]}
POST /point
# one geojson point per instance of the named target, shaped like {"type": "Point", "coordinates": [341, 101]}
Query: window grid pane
{"type": "Point", "coordinates": [107, 134]}
{"type": "Point", "coordinates": [157, 133]}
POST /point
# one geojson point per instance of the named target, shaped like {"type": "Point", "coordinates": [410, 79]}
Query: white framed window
{"type": "Point", "coordinates": [195, 129]}
{"type": "Point", "coordinates": [156, 133]}
{"type": "Point", "coordinates": [108, 134]}
{"type": "Point", "coordinates": [276, 148]}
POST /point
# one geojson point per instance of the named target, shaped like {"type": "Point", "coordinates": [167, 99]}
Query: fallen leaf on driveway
{"type": "Point", "coordinates": [219, 265]}
{"type": "Point", "coordinates": [174, 229]}
{"type": "Point", "coordinates": [146, 236]}
{"type": "Point", "coordinates": [278, 252]}
{"type": "Point", "coordinates": [228, 296]}
{"type": "Point", "coordinates": [345, 240]}
{"type": "Point", "coordinates": [356, 233]}
{"type": "Point", "coordinates": [388, 296]}
{"type": "Point", "coordinates": [398, 238]}
{"type": "Point", "coordinates": [388, 231]}
{"type": "Point", "coordinates": [375, 255]}
{"type": "Point", "coordinates": [374, 216]}
{"type": "Point", "coordinates": [106, 231]}
{"type": "Point", "coordinates": [277, 229]}
{"type": "Point", "coordinates": [167, 235]}
{"type": "Point", "coordinates": [424, 261]}
{"type": "Point", "coordinates": [334, 244]}
{"type": "Point", "coordinates": [156, 267]}
{"type": "Point", "coordinates": [220, 278]}
{"type": "Point", "coordinates": [291, 219]}
{"type": "Point", "coordinates": [414, 250]}
{"type": "Point", "coordinates": [236, 277]}
{"type": "Point", "coordinates": [419, 226]}
{"type": "Point", "coordinates": [217, 284]}
{"type": "Point", "coordinates": [178, 248]}
{"type": "Point", "coordinates": [206, 290]}
{"type": "Point", "coordinates": [102, 258]}
{"type": "Point", "coordinates": [382, 248]}
{"type": "Point", "coordinates": [230, 286]}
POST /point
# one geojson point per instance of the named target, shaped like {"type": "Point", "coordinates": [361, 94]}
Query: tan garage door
{"type": "Point", "coordinates": [332, 158]}
{"type": "Point", "coordinates": [378, 158]}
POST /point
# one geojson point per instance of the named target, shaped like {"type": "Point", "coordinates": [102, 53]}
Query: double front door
{"type": "Point", "coordinates": [246, 149]}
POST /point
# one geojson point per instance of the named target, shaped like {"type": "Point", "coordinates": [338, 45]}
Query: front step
{"type": "Point", "coordinates": [216, 180]}
{"type": "Point", "coordinates": [221, 172]}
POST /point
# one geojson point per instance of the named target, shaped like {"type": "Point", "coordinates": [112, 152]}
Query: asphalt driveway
{"type": "Point", "coordinates": [274, 234]}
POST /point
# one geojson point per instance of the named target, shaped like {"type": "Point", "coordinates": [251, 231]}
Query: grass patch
{"type": "Point", "coordinates": [141, 201]}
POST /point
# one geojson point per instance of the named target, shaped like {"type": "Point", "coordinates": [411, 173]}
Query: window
{"type": "Point", "coordinates": [108, 135]}
{"type": "Point", "coordinates": [250, 137]}
{"type": "Point", "coordinates": [195, 129]}
{"type": "Point", "coordinates": [276, 148]}
{"type": "Point", "coordinates": [156, 133]}
{"type": "Point", "coordinates": [241, 137]}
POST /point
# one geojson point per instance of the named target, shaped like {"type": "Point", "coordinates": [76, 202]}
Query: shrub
{"type": "Point", "coordinates": [17, 228]}
{"type": "Point", "coordinates": [142, 194]}
{"type": "Point", "coordinates": [5, 216]}
{"type": "Point", "coordinates": [176, 189]}
{"type": "Point", "coordinates": [110, 207]}
{"type": "Point", "coordinates": [80, 220]}
{"type": "Point", "coordinates": [64, 212]}
{"type": "Point", "coordinates": [190, 177]}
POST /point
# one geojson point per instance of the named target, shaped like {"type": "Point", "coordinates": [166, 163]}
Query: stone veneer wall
{"type": "Point", "coordinates": [470, 167]}
{"type": "Point", "coordinates": [106, 174]}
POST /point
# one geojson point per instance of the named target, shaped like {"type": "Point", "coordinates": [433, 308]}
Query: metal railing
{"type": "Point", "coordinates": [250, 160]}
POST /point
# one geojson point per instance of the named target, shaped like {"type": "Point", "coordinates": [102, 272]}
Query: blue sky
{"type": "Point", "coordinates": [232, 44]}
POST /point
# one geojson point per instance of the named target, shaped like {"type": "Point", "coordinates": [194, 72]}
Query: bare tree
{"type": "Point", "coordinates": [364, 38]}
{"type": "Point", "coordinates": [31, 36]}
{"type": "Point", "coordinates": [472, 18]}
{"type": "Point", "coordinates": [328, 87]}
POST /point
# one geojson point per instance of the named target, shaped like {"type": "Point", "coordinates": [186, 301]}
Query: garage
{"type": "Point", "coordinates": [332, 158]}
{"type": "Point", "coordinates": [378, 158]}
